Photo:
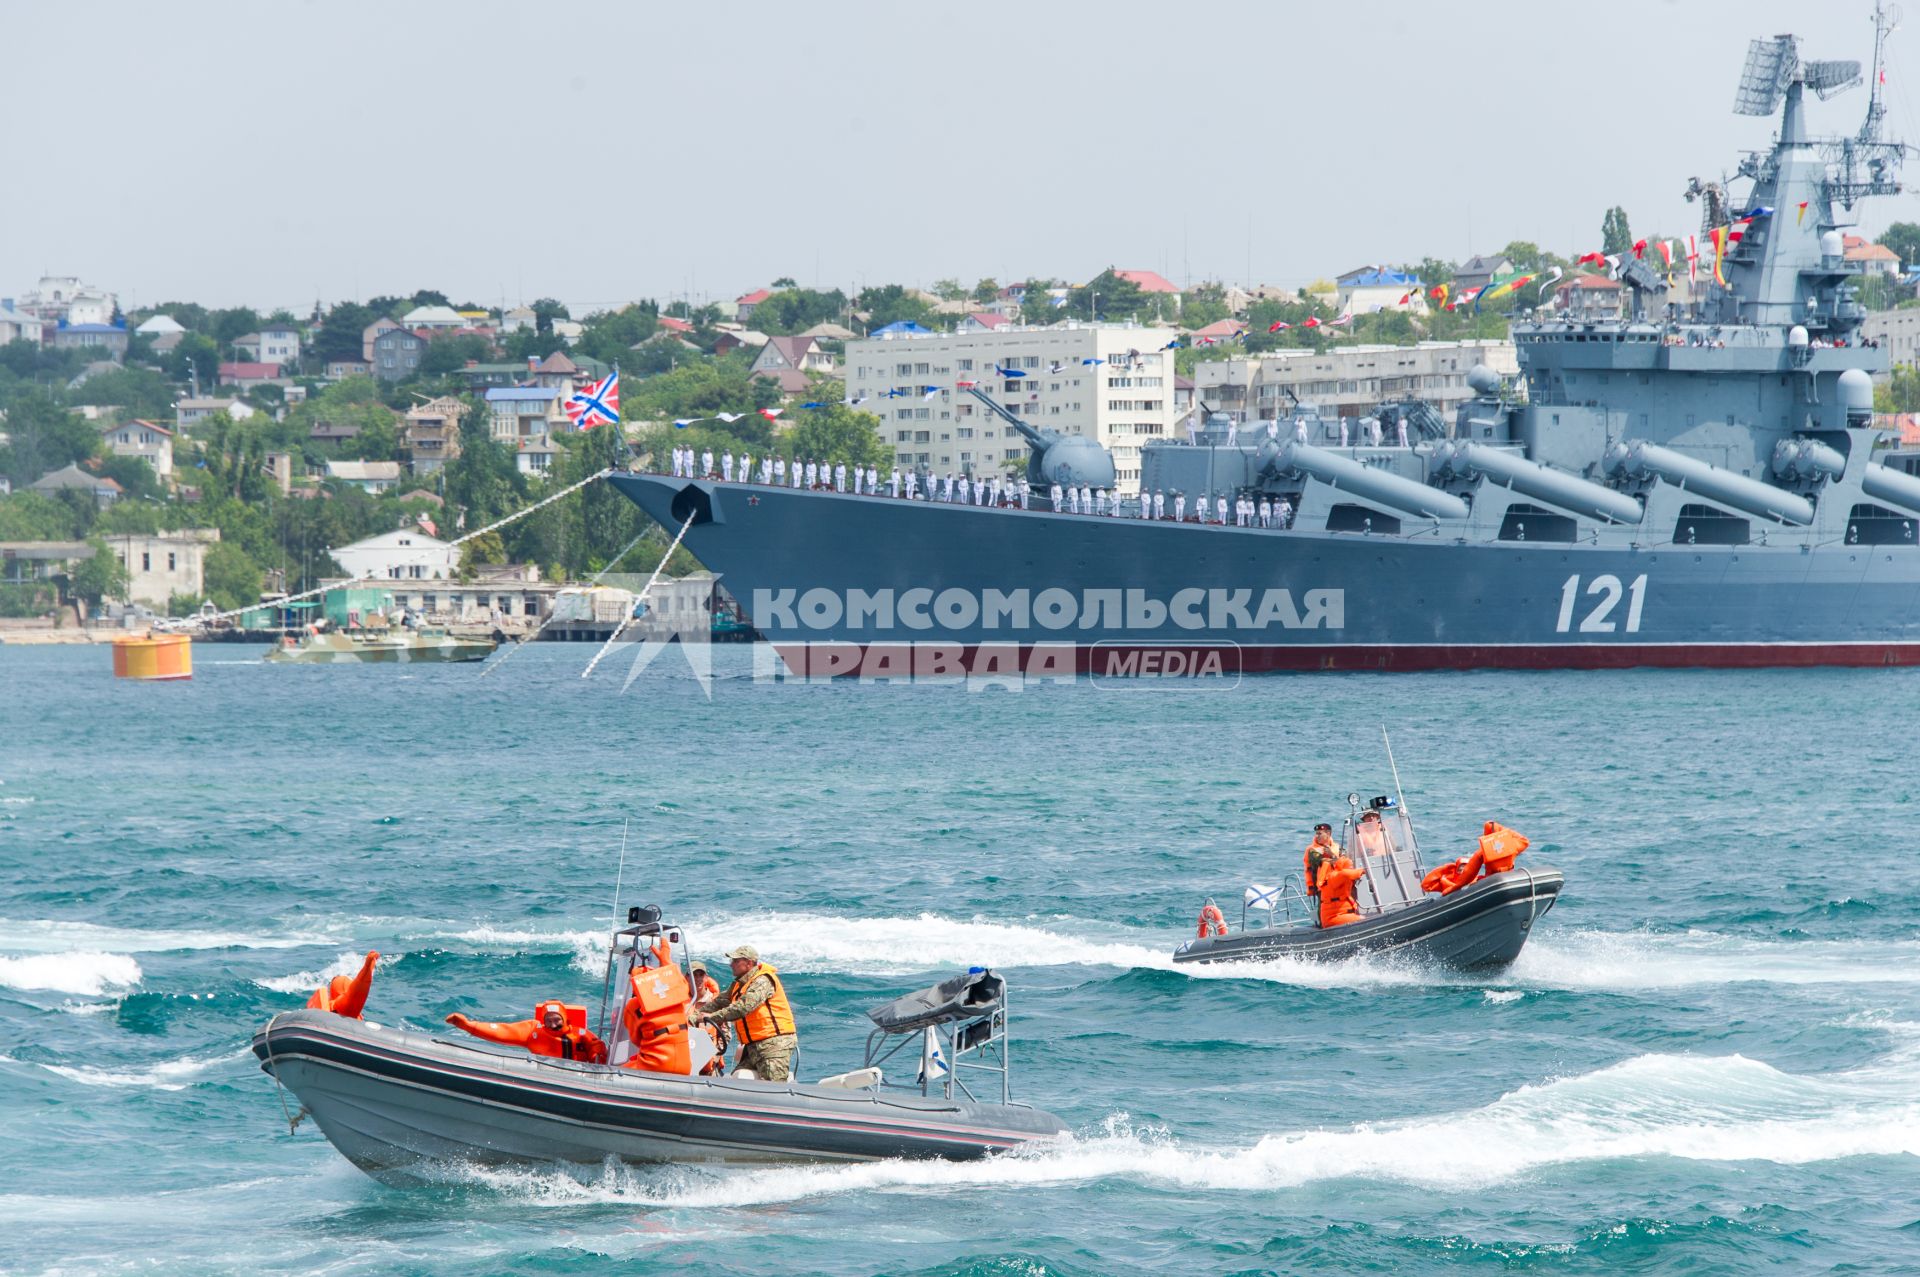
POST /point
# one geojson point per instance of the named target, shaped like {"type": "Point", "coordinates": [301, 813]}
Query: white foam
{"type": "Point", "coordinates": [347, 964]}
{"type": "Point", "coordinates": [46, 935]}
{"type": "Point", "coordinates": [166, 1075]}
{"type": "Point", "coordinates": [85, 974]}
{"type": "Point", "coordinates": [1585, 960]}
{"type": "Point", "coordinates": [1500, 997]}
{"type": "Point", "coordinates": [1716, 1108]}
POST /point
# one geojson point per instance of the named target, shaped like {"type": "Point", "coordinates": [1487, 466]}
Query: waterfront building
{"type": "Point", "coordinates": [164, 564]}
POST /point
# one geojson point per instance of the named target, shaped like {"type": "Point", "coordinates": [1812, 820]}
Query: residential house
{"type": "Point", "coordinates": [248, 375]}
{"type": "Point", "coordinates": [479, 376]}
{"type": "Point", "coordinates": [339, 369]}
{"type": "Point", "coordinates": [64, 299]}
{"type": "Point", "coordinates": [165, 564]}
{"type": "Point", "coordinates": [983, 321]}
{"type": "Point", "coordinates": [1221, 330]}
{"type": "Point", "coordinates": [160, 326]}
{"type": "Point", "coordinates": [535, 455]}
{"type": "Point", "coordinates": [558, 372]}
{"type": "Point", "coordinates": [568, 331]}
{"type": "Point", "coordinates": [1375, 288]}
{"type": "Point", "coordinates": [27, 562]}
{"type": "Point", "coordinates": [798, 354]}
{"type": "Point", "coordinates": [826, 330]}
{"type": "Point", "coordinates": [111, 339]}
{"type": "Point", "coordinates": [152, 443]}
{"type": "Point", "coordinates": [1478, 271]}
{"type": "Point", "coordinates": [1152, 283]}
{"type": "Point", "coordinates": [520, 318]}
{"type": "Point", "coordinates": [432, 318]}
{"type": "Point", "coordinates": [369, 476]}
{"type": "Point", "coordinates": [678, 327]}
{"type": "Point", "coordinates": [431, 434]}
{"type": "Point", "coordinates": [397, 354]}
{"type": "Point", "coordinates": [746, 305]}
{"type": "Point", "coordinates": [17, 325]}
{"type": "Point", "coordinates": [1590, 297]}
{"type": "Point", "coordinates": [332, 432]}
{"type": "Point", "coordinates": [273, 345]}
{"type": "Point", "coordinates": [191, 412]}
{"type": "Point", "coordinates": [733, 337]}
{"type": "Point", "coordinates": [516, 413]}
{"type": "Point", "coordinates": [1873, 259]}
{"type": "Point", "coordinates": [72, 478]}
{"type": "Point", "coordinates": [405, 554]}
{"type": "Point", "coordinates": [165, 342]}
{"type": "Point", "coordinates": [371, 332]}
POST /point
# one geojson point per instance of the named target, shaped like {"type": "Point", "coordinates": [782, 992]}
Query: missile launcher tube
{"type": "Point", "coordinates": [1390, 490]}
{"type": "Point", "coordinates": [1761, 500]}
{"type": "Point", "coordinates": [1553, 487]}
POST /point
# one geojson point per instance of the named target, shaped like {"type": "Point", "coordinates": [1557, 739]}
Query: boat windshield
{"type": "Point", "coordinates": [1386, 849]}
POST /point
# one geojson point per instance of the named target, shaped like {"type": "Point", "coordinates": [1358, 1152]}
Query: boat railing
{"type": "Point", "coordinates": [1386, 849]}
{"type": "Point", "coordinates": [1276, 902]}
{"type": "Point", "coordinates": [960, 1026]}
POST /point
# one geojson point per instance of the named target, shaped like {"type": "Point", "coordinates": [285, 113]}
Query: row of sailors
{"type": "Point", "coordinates": [995, 492]}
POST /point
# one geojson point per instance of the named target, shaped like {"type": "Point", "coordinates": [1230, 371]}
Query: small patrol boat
{"type": "Point", "coordinates": [347, 647]}
{"type": "Point", "coordinates": [395, 1101]}
{"type": "Point", "coordinates": [1470, 914]}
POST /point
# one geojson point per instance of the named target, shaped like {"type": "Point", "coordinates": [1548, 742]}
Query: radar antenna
{"type": "Point", "coordinates": [1769, 70]}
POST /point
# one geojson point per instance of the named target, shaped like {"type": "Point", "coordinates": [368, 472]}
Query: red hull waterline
{"type": "Point", "coordinates": [1113, 660]}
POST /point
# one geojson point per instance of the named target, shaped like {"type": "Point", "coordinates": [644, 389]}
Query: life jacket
{"type": "Point", "coordinates": [772, 1017]}
{"type": "Point", "coordinates": [1313, 858]}
{"type": "Point", "coordinates": [656, 1018]}
{"type": "Point", "coordinates": [1500, 847]}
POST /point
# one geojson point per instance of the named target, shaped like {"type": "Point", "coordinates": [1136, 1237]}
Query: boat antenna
{"type": "Point", "coordinates": [1398, 794]}
{"type": "Point", "coordinates": [606, 987]}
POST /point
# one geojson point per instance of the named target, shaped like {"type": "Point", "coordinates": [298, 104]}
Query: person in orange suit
{"type": "Point", "coordinates": [705, 989]}
{"type": "Point", "coordinates": [1337, 906]}
{"type": "Point", "coordinates": [549, 1033]}
{"type": "Point", "coordinates": [346, 995]}
{"type": "Point", "coordinates": [1320, 851]}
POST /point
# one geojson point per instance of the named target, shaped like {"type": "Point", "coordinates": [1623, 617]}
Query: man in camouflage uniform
{"type": "Point", "coordinates": [757, 998]}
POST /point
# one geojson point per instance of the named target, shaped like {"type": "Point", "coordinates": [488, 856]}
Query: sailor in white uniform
{"type": "Point", "coordinates": [912, 479]}
{"type": "Point", "coordinates": [840, 477]}
{"type": "Point", "coordinates": [1179, 507]}
{"type": "Point", "coordinates": [1343, 432]}
{"type": "Point", "coordinates": [1283, 513]}
{"type": "Point", "coordinates": [1026, 493]}
{"type": "Point", "coordinates": [893, 482]}
{"type": "Point", "coordinates": [1233, 434]}
{"type": "Point", "coordinates": [1159, 504]}
{"type": "Point", "coordinates": [1299, 429]}
{"type": "Point", "coordinates": [1220, 507]}
{"type": "Point", "coordinates": [706, 464]}
{"type": "Point", "coordinates": [1056, 499]}
{"type": "Point", "coordinates": [1400, 427]}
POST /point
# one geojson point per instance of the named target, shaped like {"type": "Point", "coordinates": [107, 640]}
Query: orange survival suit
{"type": "Point", "coordinates": [656, 1016]}
{"type": "Point", "coordinates": [346, 995]}
{"type": "Point", "coordinates": [1499, 848]}
{"type": "Point", "coordinates": [1337, 906]}
{"type": "Point", "coordinates": [572, 1042]}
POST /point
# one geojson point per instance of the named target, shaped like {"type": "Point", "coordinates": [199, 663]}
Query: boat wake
{"type": "Point", "coordinates": [45, 935]}
{"type": "Point", "coordinates": [1582, 960]}
{"type": "Point", "coordinates": [1690, 1108]}
{"type": "Point", "coordinates": [165, 1075]}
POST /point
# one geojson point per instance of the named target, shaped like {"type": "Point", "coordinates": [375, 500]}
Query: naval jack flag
{"type": "Point", "coordinates": [933, 1057]}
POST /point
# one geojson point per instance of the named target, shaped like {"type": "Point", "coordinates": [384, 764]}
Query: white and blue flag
{"type": "Point", "coordinates": [1259, 897]}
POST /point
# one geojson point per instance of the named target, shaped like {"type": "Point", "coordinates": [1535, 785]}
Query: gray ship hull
{"type": "Point", "coordinates": [1481, 926]}
{"type": "Point", "coordinates": [816, 570]}
{"type": "Point", "coordinates": [390, 1100]}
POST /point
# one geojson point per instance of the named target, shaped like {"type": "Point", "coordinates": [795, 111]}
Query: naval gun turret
{"type": "Point", "coordinates": [1068, 460]}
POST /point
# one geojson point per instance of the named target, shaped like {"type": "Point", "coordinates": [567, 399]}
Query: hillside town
{"type": "Point", "coordinates": [174, 459]}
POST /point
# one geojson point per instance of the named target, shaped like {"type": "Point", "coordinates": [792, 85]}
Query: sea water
{"type": "Point", "coordinates": [1707, 1059]}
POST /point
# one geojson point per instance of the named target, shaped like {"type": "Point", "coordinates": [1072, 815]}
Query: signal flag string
{"type": "Point", "coordinates": [642, 598]}
{"type": "Point", "coordinates": [553, 611]}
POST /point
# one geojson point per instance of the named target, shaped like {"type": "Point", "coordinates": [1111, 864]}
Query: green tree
{"type": "Point", "coordinates": [30, 516]}
{"type": "Point", "coordinates": [795, 310]}
{"type": "Point", "coordinates": [611, 334]}
{"type": "Point", "coordinates": [142, 392]}
{"type": "Point", "coordinates": [702, 389]}
{"type": "Point", "coordinates": [836, 433]}
{"type": "Point", "coordinates": [948, 290]}
{"type": "Point", "coordinates": [99, 577]}
{"type": "Point", "coordinates": [1203, 305]}
{"type": "Point", "coordinates": [1108, 296]}
{"type": "Point", "coordinates": [450, 351]}
{"type": "Point", "coordinates": [197, 356]}
{"type": "Point", "coordinates": [1904, 239]}
{"type": "Point", "coordinates": [339, 334]}
{"type": "Point", "coordinates": [891, 304]}
{"type": "Point", "coordinates": [986, 291]}
{"type": "Point", "coordinates": [43, 436]}
{"type": "Point", "coordinates": [232, 578]}
{"type": "Point", "coordinates": [1036, 303]}
{"type": "Point", "coordinates": [1615, 235]}
{"type": "Point", "coordinates": [135, 477]}
{"type": "Point", "coordinates": [545, 311]}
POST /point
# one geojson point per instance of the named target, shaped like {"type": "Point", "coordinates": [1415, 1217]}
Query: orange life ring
{"type": "Point", "coordinates": [1211, 915]}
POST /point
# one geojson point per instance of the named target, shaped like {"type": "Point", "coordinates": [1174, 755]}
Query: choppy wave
{"type": "Point", "coordinates": [48, 935]}
{"type": "Point", "coordinates": [87, 974]}
{"type": "Point", "coordinates": [164, 1075]}
{"type": "Point", "coordinates": [1585, 960]}
{"type": "Point", "coordinates": [1691, 1108]}
{"type": "Point", "coordinates": [346, 963]}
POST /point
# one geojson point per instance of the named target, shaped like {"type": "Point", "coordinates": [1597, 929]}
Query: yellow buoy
{"type": "Point", "coordinates": [153, 656]}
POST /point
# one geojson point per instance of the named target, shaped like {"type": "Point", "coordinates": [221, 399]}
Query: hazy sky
{"type": "Point", "coordinates": [274, 153]}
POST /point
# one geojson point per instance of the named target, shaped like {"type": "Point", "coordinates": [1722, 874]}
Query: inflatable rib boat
{"type": "Point", "coordinates": [391, 1099]}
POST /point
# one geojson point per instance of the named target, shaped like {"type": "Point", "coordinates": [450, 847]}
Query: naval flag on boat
{"type": "Point", "coordinates": [597, 405]}
{"type": "Point", "coordinates": [1259, 897]}
{"type": "Point", "coordinates": [933, 1060]}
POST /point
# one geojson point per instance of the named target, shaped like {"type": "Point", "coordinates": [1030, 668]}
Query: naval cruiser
{"type": "Point", "coordinates": [1691, 483]}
